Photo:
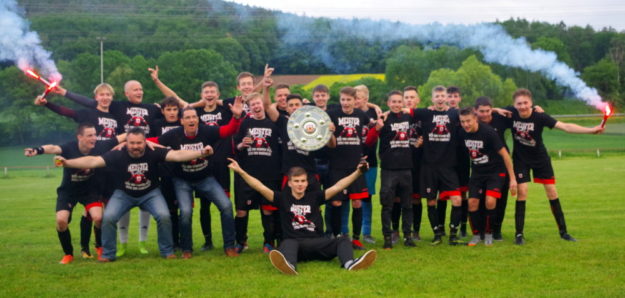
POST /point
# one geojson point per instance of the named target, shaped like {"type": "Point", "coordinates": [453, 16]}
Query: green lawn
{"type": "Point", "coordinates": [545, 266]}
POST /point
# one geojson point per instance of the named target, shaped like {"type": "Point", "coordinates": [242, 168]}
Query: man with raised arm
{"type": "Point", "coordinates": [302, 224]}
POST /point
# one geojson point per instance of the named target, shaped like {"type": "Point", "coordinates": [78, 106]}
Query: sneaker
{"type": "Point", "coordinates": [519, 239]}
{"type": "Point", "coordinates": [497, 236]}
{"type": "Point", "coordinates": [454, 240]}
{"type": "Point", "coordinates": [99, 250]}
{"type": "Point", "coordinates": [207, 246]}
{"type": "Point", "coordinates": [463, 230]}
{"type": "Point", "coordinates": [104, 260]}
{"type": "Point", "coordinates": [388, 243]}
{"type": "Point", "coordinates": [567, 237]}
{"type": "Point", "coordinates": [356, 244]}
{"type": "Point", "coordinates": [66, 259]}
{"type": "Point", "coordinates": [415, 236]}
{"type": "Point", "coordinates": [239, 248]}
{"type": "Point", "coordinates": [187, 255]}
{"type": "Point", "coordinates": [363, 262]}
{"type": "Point", "coordinates": [395, 237]}
{"type": "Point", "coordinates": [267, 248]}
{"type": "Point", "coordinates": [85, 254]}
{"type": "Point", "coordinates": [488, 239]}
{"type": "Point", "coordinates": [442, 229]}
{"type": "Point", "coordinates": [142, 248]}
{"type": "Point", "coordinates": [279, 261]}
{"type": "Point", "coordinates": [121, 250]}
{"type": "Point", "coordinates": [171, 257]}
{"type": "Point", "coordinates": [368, 239]}
{"type": "Point", "coordinates": [231, 252]}
{"type": "Point", "coordinates": [408, 242]}
{"type": "Point", "coordinates": [438, 239]}
{"type": "Point", "coordinates": [475, 240]}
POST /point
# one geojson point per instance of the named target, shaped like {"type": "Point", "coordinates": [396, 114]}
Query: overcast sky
{"type": "Point", "coordinates": [597, 13]}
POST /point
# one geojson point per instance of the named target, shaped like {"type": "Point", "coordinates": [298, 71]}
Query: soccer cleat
{"type": "Point", "coordinates": [142, 249]}
{"type": "Point", "coordinates": [567, 237]}
{"type": "Point", "coordinates": [438, 239]}
{"type": "Point", "coordinates": [121, 251]}
{"type": "Point", "coordinates": [497, 236]}
{"type": "Point", "coordinates": [488, 239]}
{"type": "Point", "coordinates": [395, 237]}
{"type": "Point", "coordinates": [267, 248]}
{"type": "Point", "coordinates": [239, 248]}
{"type": "Point", "coordinates": [463, 230]}
{"type": "Point", "coordinates": [171, 257]}
{"type": "Point", "coordinates": [364, 261]}
{"type": "Point", "coordinates": [368, 239]}
{"type": "Point", "coordinates": [454, 240]}
{"type": "Point", "coordinates": [279, 261]}
{"type": "Point", "coordinates": [207, 246]}
{"type": "Point", "coordinates": [475, 240]}
{"type": "Point", "coordinates": [231, 252]}
{"type": "Point", "coordinates": [408, 242]}
{"type": "Point", "coordinates": [388, 243]}
{"type": "Point", "coordinates": [104, 260]}
{"type": "Point", "coordinates": [356, 244]}
{"type": "Point", "coordinates": [187, 255]}
{"type": "Point", "coordinates": [519, 239]}
{"type": "Point", "coordinates": [66, 259]}
{"type": "Point", "coordinates": [85, 254]}
{"type": "Point", "coordinates": [99, 250]}
{"type": "Point", "coordinates": [415, 236]}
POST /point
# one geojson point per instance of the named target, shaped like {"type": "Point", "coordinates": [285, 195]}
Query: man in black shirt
{"type": "Point", "coordinates": [411, 101]}
{"type": "Point", "coordinates": [78, 186]}
{"type": "Point", "coordinates": [491, 166]}
{"type": "Point", "coordinates": [302, 223]}
{"type": "Point", "coordinates": [137, 184]}
{"type": "Point", "coordinates": [530, 153]}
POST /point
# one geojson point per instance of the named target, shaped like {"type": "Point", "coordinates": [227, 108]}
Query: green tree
{"type": "Point", "coordinates": [604, 76]}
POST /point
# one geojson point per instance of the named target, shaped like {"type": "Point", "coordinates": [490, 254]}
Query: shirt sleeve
{"type": "Point", "coordinates": [111, 158]}
{"type": "Point", "coordinates": [548, 121]}
{"type": "Point", "coordinates": [160, 154]}
{"type": "Point", "coordinates": [61, 110]}
{"type": "Point", "coordinates": [277, 197]}
{"type": "Point", "coordinates": [494, 139]}
{"type": "Point", "coordinates": [66, 149]}
{"type": "Point", "coordinates": [81, 99]}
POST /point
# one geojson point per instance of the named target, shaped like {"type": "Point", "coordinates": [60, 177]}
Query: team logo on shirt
{"type": "Point", "coordinates": [474, 147]}
{"type": "Point", "coordinates": [82, 175]}
{"type": "Point", "coordinates": [349, 134]}
{"type": "Point", "coordinates": [260, 145]}
{"type": "Point", "coordinates": [109, 126]}
{"type": "Point", "coordinates": [413, 132]}
{"type": "Point", "coordinates": [194, 165]}
{"type": "Point", "coordinates": [440, 133]}
{"type": "Point", "coordinates": [401, 138]}
{"type": "Point", "coordinates": [211, 119]}
{"type": "Point", "coordinates": [299, 220]}
{"type": "Point", "coordinates": [138, 180]}
{"type": "Point", "coordinates": [165, 129]}
{"type": "Point", "coordinates": [522, 133]}
{"type": "Point", "coordinates": [137, 119]}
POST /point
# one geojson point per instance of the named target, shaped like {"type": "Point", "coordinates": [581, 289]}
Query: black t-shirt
{"type": "Point", "coordinates": [135, 176]}
{"type": "Point", "coordinates": [370, 151]}
{"type": "Point", "coordinates": [348, 133]}
{"type": "Point", "coordinates": [483, 148]}
{"type": "Point", "coordinates": [395, 152]}
{"type": "Point", "coordinates": [439, 136]}
{"type": "Point", "coordinates": [176, 139]}
{"type": "Point", "coordinates": [106, 125]}
{"type": "Point", "coordinates": [300, 218]}
{"type": "Point", "coordinates": [527, 137]}
{"type": "Point", "coordinates": [262, 158]}
{"type": "Point", "coordinates": [218, 117]}
{"type": "Point", "coordinates": [500, 124]}
{"type": "Point", "coordinates": [414, 134]}
{"type": "Point", "coordinates": [160, 126]}
{"type": "Point", "coordinates": [131, 115]}
{"type": "Point", "coordinates": [230, 101]}
{"type": "Point", "coordinates": [291, 155]}
{"type": "Point", "coordinates": [83, 181]}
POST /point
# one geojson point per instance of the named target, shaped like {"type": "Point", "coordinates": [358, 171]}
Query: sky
{"type": "Point", "coordinates": [597, 13]}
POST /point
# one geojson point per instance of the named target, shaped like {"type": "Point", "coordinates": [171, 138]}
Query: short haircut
{"type": "Point", "coordinates": [210, 84]}
{"type": "Point", "coordinates": [127, 85]}
{"type": "Point", "coordinates": [282, 86]}
{"type": "Point", "coordinates": [483, 101]}
{"type": "Point", "coordinates": [453, 89]}
{"type": "Point", "coordinates": [295, 171]}
{"type": "Point", "coordinates": [294, 96]}
{"type": "Point", "coordinates": [467, 111]}
{"type": "Point", "coordinates": [521, 92]}
{"type": "Point", "coordinates": [82, 126]}
{"type": "Point", "coordinates": [393, 92]}
{"type": "Point", "coordinates": [439, 88]}
{"type": "Point", "coordinates": [363, 89]}
{"type": "Point", "coordinates": [411, 88]}
{"type": "Point", "coordinates": [347, 90]}
{"type": "Point", "coordinates": [169, 101]}
{"type": "Point", "coordinates": [253, 95]}
{"type": "Point", "coordinates": [188, 109]}
{"type": "Point", "coordinates": [136, 131]}
{"type": "Point", "coordinates": [243, 75]}
{"type": "Point", "coordinates": [103, 86]}
{"type": "Point", "coordinates": [321, 88]}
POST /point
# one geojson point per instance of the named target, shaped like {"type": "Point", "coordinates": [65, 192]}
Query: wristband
{"type": "Point", "coordinates": [39, 150]}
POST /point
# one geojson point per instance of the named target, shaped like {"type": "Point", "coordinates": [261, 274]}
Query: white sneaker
{"type": "Point", "coordinates": [279, 261]}
{"type": "Point", "coordinates": [488, 239]}
{"type": "Point", "coordinates": [364, 261]}
{"type": "Point", "coordinates": [475, 240]}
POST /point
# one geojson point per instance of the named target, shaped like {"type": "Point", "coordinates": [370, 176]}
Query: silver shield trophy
{"type": "Point", "coordinates": [308, 128]}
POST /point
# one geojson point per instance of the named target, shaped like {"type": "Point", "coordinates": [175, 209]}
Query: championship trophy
{"type": "Point", "coordinates": [308, 128]}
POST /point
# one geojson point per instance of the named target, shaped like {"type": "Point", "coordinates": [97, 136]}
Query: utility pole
{"type": "Point", "coordinates": [101, 39]}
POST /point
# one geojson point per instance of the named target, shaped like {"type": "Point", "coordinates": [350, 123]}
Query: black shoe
{"type": "Point", "coordinates": [408, 242]}
{"type": "Point", "coordinates": [497, 236]}
{"type": "Point", "coordinates": [567, 237]}
{"type": "Point", "coordinates": [454, 240]}
{"type": "Point", "coordinates": [207, 246]}
{"type": "Point", "coordinates": [438, 239]}
{"type": "Point", "coordinates": [463, 230]}
{"type": "Point", "coordinates": [519, 239]}
{"type": "Point", "coordinates": [388, 243]}
{"type": "Point", "coordinates": [442, 229]}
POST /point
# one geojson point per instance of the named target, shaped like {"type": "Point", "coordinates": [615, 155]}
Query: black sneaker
{"type": "Point", "coordinates": [207, 246]}
{"type": "Point", "coordinates": [519, 239]}
{"type": "Point", "coordinates": [279, 261]}
{"type": "Point", "coordinates": [454, 240]}
{"type": "Point", "coordinates": [567, 237]}
{"type": "Point", "coordinates": [438, 239]}
{"type": "Point", "coordinates": [388, 243]}
{"type": "Point", "coordinates": [497, 236]}
{"type": "Point", "coordinates": [442, 229]}
{"type": "Point", "coordinates": [408, 242]}
{"type": "Point", "coordinates": [364, 261]}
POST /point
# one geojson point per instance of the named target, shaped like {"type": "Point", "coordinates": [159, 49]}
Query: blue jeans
{"type": "Point", "coordinates": [120, 203]}
{"type": "Point", "coordinates": [212, 190]}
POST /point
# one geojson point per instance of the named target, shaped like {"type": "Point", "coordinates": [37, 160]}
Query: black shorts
{"type": "Point", "coordinates": [438, 180]}
{"type": "Point", "coordinates": [542, 172]}
{"type": "Point", "coordinates": [67, 201]}
{"type": "Point", "coordinates": [490, 184]}
{"type": "Point", "coordinates": [416, 178]}
{"type": "Point", "coordinates": [395, 183]}
{"type": "Point", "coordinates": [463, 169]}
{"type": "Point", "coordinates": [355, 191]}
{"type": "Point", "coordinates": [246, 198]}
{"type": "Point", "coordinates": [169, 192]}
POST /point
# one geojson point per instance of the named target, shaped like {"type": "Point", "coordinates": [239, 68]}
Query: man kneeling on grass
{"type": "Point", "coordinates": [302, 224]}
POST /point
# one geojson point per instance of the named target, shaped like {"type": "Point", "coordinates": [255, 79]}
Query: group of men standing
{"type": "Point", "coordinates": [165, 153]}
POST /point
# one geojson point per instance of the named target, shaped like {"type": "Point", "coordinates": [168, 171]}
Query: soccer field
{"type": "Point", "coordinates": [545, 266]}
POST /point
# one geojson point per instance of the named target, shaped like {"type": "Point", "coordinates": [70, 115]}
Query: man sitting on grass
{"type": "Point", "coordinates": [302, 225]}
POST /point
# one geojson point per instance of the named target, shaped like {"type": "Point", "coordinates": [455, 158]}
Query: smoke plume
{"type": "Point", "coordinates": [20, 45]}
